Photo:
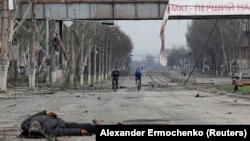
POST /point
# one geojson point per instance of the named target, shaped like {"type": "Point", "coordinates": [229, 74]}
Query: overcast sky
{"type": "Point", "coordinates": [145, 35]}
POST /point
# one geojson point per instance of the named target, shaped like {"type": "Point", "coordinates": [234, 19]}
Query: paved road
{"type": "Point", "coordinates": [152, 105]}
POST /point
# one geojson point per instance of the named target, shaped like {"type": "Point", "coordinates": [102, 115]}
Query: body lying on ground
{"type": "Point", "coordinates": [47, 123]}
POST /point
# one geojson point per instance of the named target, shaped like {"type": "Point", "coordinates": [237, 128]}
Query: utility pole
{"type": "Point", "coordinates": [72, 68]}
{"type": "Point", "coordinates": [81, 62]}
{"type": "Point", "coordinates": [47, 49]}
{"type": "Point", "coordinates": [89, 61]}
{"type": "Point", "coordinates": [100, 61]}
{"type": "Point", "coordinates": [32, 50]}
{"type": "Point", "coordinates": [4, 47]}
{"type": "Point", "coordinates": [94, 43]}
{"type": "Point", "coordinates": [103, 59]}
{"type": "Point", "coordinates": [106, 59]}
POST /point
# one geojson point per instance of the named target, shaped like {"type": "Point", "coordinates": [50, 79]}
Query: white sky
{"type": "Point", "coordinates": [145, 35]}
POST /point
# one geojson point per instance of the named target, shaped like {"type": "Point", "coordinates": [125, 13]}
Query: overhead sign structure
{"type": "Point", "coordinates": [191, 9]}
{"type": "Point", "coordinates": [199, 8]}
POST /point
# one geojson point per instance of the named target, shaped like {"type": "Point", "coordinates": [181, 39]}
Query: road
{"type": "Point", "coordinates": [163, 100]}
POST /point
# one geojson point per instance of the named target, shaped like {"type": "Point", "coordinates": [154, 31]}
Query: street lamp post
{"type": "Point", "coordinates": [72, 67]}
{"type": "Point", "coordinates": [103, 51]}
{"type": "Point", "coordinates": [81, 62]}
{"type": "Point", "coordinates": [47, 49]}
{"type": "Point", "coordinates": [100, 61]}
{"type": "Point", "coordinates": [103, 58]}
{"type": "Point", "coordinates": [89, 58]}
{"type": "Point", "coordinates": [95, 52]}
{"type": "Point", "coordinates": [110, 49]}
{"type": "Point", "coordinates": [106, 64]}
{"type": "Point", "coordinates": [107, 54]}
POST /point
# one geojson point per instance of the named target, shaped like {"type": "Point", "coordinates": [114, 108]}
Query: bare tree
{"type": "Point", "coordinates": [9, 27]}
{"type": "Point", "coordinates": [4, 47]}
{"type": "Point", "coordinates": [32, 50]}
{"type": "Point", "coordinates": [220, 45]}
{"type": "Point", "coordinates": [197, 37]}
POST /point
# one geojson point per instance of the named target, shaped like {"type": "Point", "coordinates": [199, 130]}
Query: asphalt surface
{"type": "Point", "coordinates": [152, 105]}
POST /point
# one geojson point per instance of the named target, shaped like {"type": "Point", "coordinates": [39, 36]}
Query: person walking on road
{"type": "Point", "coordinates": [115, 75]}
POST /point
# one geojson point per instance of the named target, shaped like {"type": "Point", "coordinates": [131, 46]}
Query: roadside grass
{"type": "Point", "coordinates": [230, 88]}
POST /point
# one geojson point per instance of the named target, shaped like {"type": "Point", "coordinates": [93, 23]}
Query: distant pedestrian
{"type": "Point", "coordinates": [115, 75]}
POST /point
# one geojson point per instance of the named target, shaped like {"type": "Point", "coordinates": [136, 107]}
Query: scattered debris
{"type": "Point", "coordinates": [122, 87]}
{"type": "Point", "coordinates": [12, 105]}
{"type": "Point", "coordinates": [77, 95]}
{"type": "Point", "coordinates": [91, 94]}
